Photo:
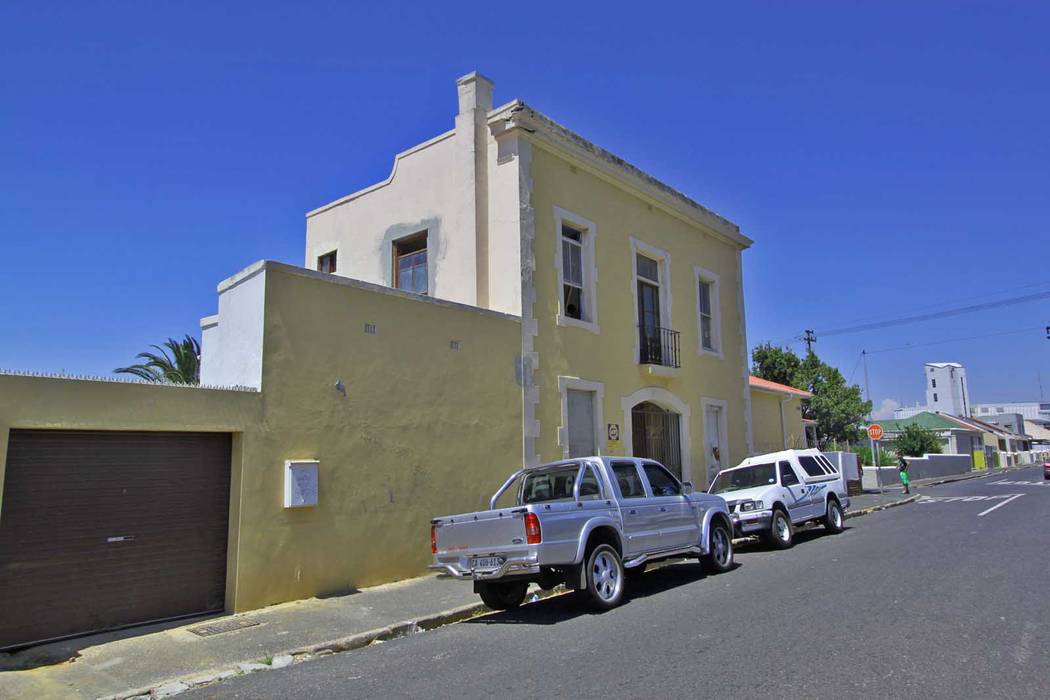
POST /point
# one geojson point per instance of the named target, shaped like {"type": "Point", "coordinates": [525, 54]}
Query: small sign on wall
{"type": "Point", "coordinates": [612, 442]}
{"type": "Point", "coordinates": [300, 483]}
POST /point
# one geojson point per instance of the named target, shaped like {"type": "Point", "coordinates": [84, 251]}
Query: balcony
{"type": "Point", "coordinates": [658, 346]}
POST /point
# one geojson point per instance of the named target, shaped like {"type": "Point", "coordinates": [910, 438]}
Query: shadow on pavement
{"type": "Point", "coordinates": [64, 650]}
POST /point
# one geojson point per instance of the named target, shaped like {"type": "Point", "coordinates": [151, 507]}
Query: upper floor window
{"type": "Point", "coordinates": [707, 312]}
{"type": "Point", "coordinates": [658, 344]}
{"type": "Point", "coordinates": [326, 262]}
{"type": "Point", "coordinates": [410, 264]}
{"type": "Point", "coordinates": [572, 271]}
{"type": "Point", "coordinates": [577, 274]}
{"type": "Point", "coordinates": [933, 383]}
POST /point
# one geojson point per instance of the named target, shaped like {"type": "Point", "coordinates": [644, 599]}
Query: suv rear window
{"type": "Point", "coordinates": [812, 466]}
{"type": "Point", "coordinates": [828, 464]}
{"type": "Point", "coordinates": [549, 484]}
{"type": "Point", "coordinates": [660, 481]}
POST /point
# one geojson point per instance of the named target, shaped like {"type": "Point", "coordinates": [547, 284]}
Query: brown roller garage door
{"type": "Point", "coordinates": [105, 529]}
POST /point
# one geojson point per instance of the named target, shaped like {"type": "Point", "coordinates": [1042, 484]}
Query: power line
{"type": "Point", "coordinates": [937, 314]}
{"type": "Point", "coordinates": [954, 340]}
{"type": "Point", "coordinates": [956, 300]}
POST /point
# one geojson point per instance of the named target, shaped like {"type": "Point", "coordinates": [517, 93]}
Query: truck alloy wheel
{"type": "Point", "coordinates": [833, 518]}
{"type": "Point", "coordinates": [780, 532]}
{"type": "Point", "coordinates": [720, 558]}
{"type": "Point", "coordinates": [605, 577]}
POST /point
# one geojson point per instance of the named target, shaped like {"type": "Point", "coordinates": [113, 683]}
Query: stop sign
{"type": "Point", "coordinates": [875, 431]}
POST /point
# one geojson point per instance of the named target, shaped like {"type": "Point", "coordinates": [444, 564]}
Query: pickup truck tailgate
{"type": "Point", "coordinates": [485, 532]}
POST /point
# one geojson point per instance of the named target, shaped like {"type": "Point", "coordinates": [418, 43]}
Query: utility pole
{"type": "Point", "coordinates": [874, 445]}
{"type": "Point", "coordinates": [811, 338]}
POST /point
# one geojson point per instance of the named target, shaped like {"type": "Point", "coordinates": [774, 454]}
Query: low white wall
{"type": "Point", "coordinates": [929, 466]}
{"type": "Point", "coordinates": [847, 463]}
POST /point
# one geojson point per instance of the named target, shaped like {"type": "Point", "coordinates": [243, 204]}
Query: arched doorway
{"type": "Point", "coordinates": [656, 433]}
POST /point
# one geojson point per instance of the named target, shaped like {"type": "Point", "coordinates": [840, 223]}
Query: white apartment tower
{"type": "Point", "coordinates": [946, 388]}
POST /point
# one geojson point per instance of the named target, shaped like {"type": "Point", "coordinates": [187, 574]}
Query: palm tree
{"type": "Point", "coordinates": [183, 366]}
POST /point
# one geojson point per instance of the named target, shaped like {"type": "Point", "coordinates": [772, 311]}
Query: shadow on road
{"type": "Point", "coordinates": [571, 605]}
{"type": "Point", "coordinates": [802, 538]}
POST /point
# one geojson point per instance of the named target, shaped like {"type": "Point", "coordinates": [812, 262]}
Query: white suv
{"type": "Point", "coordinates": [769, 494]}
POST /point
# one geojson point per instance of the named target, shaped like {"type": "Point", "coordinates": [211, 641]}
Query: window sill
{"type": "Point", "coordinates": [570, 322]}
{"type": "Point", "coordinates": [704, 352]}
{"type": "Point", "coordinates": [661, 370]}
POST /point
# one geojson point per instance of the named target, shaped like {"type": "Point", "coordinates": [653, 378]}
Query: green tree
{"type": "Point", "coordinates": [837, 407]}
{"type": "Point", "coordinates": [775, 364]}
{"type": "Point", "coordinates": [182, 366]}
{"type": "Point", "coordinates": [915, 441]}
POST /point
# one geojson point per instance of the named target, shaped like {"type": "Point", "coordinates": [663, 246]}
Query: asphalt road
{"type": "Point", "coordinates": [929, 599]}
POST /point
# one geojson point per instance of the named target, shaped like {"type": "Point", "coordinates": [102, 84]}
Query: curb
{"type": "Point", "coordinates": [301, 654]}
{"type": "Point", "coordinates": [884, 506]}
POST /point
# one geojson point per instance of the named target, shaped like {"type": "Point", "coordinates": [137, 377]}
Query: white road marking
{"type": "Point", "coordinates": [1000, 505]}
{"type": "Point", "coordinates": [1005, 482]}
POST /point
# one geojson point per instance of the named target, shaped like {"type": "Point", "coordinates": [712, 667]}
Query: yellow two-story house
{"type": "Point", "coordinates": [630, 293]}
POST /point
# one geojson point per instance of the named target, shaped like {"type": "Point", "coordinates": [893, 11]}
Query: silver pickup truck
{"type": "Point", "coordinates": [584, 522]}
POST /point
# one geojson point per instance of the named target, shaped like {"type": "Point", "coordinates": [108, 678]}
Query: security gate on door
{"type": "Point", "coordinates": [656, 434]}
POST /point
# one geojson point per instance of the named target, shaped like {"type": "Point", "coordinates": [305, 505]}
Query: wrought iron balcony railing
{"type": "Point", "coordinates": [658, 346]}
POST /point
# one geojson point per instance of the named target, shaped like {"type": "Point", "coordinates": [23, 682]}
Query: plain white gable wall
{"type": "Point", "coordinates": [421, 194]}
{"type": "Point", "coordinates": [232, 340]}
{"type": "Point", "coordinates": [441, 186]}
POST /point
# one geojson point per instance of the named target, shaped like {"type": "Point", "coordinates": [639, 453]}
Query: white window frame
{"type": "Point", "coordinates": [598, 389]}
{"type": "Point", "coordinates": [588, 237]}
{"type": "Point", "coordinates": [701, 274]}
{"type": "Point", "coordinates": [723, 433]}
{"type": "Point", "coordinates": [663, 260]}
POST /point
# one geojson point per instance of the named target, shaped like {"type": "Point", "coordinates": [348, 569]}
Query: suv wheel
{"type": "Point", "coordinates": [605, 577]}
{"type": "Point", "coordinates": [780, 534]}
{"type": "Point", "coordinates": [503, 595]}
{"type": "Point", "coordinates": [833, 518]}
{"type": "Point", "coordinates": [720, 543]}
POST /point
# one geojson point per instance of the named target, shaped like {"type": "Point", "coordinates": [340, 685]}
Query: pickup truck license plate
{"type": "Point", "coordinates": [481, 563]}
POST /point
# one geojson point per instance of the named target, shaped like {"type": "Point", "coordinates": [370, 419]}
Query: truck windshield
{"type": "Point", "coordinates": [745, 478]}
{"type": "Point", "coordinates": [549, 484]}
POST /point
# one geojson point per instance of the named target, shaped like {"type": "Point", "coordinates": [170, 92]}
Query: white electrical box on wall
{"type": "Point", "coordinates": [300, 483]}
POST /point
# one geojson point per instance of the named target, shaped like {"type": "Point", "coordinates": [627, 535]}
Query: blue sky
{"type": "Point", "coordinates": [887, 158]}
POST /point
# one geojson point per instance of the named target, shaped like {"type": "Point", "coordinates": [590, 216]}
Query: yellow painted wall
{"type": "Point", "coordinates": [768, 432]}
{"type": "Point", "coordinates": [609, 357]}
{"type": "Point", "coordinates": [72, 404]}
{"type": "Point", "coordinates": [423, 430]}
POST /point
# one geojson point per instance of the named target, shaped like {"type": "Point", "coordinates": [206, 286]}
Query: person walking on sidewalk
{"type": "Point", "coordinates": [902, 467]}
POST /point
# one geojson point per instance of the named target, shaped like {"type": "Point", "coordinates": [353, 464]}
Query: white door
{"type": "Point", "coordinates": [582, 441]}
{"type": "Point", "coordinates": [713, 438]}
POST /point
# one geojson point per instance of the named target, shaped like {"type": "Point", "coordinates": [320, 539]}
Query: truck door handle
{"type": "Point", "coordinates": [632, 511]}
{"type": "Point", "coordinates": [662, 509]}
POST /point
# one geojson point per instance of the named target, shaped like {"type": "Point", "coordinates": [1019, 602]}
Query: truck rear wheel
{"type": "Point", "coordinates": [503, 595]}
{"type": "Point", "coordinates": [833, 517]}
{"type": "Point", "coordinates": [780, 534]}
{"type": "Point", "coordinates": [719, 558]}
{"type": "Point", "coordinates": [605, 577]}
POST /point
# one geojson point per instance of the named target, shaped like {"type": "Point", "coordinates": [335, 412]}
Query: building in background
{"type": "Point", "coordinates": [776, 411]}
{"type": "Point", "coordinates": [946, 391]}
{"type": "Point", "coordinates": [1031, 410]}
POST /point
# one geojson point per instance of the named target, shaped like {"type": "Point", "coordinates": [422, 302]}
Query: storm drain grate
{"type": "Point", "coordinates": [222, 626]}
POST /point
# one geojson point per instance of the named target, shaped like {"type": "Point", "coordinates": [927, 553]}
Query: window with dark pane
{"type": "Point", "coordinates": [706, 319]}
{"type": "Point", "coordinates": [326, 262]}
{"type": "Point", "coordinates": [572, 272]}
{"type": "Point", "coordinates": [410, 264]}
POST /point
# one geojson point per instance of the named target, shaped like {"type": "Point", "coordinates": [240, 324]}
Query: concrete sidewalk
{"type": "Point", "coordinates": [169, 658]}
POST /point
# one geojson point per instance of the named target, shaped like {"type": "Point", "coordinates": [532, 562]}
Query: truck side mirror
{"type": "Point", "coordinates": [687, 487]}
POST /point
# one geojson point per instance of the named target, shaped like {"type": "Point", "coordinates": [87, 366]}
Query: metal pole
{"type": "Point", "coordinates": [867, 391]}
